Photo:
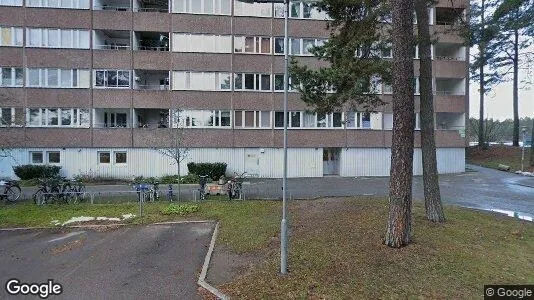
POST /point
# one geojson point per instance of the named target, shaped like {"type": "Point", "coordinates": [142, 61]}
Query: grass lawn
{"type": "Point", "coordinates": [336, 249]}
{"type": "Point", "coordinates": [336, 252]}
{"type": "Point", "coordinates": [498, 154]}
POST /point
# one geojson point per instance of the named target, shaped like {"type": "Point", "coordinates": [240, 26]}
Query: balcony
{"type": "Point", "coordinates": [112, 5]}
{"type": "Point", "coordinates": [449, 86]}
{"type": "Point", "coordinates": [151, 41]}
{"type": "Point", "coordinates": [449, 15]}
{"type": "Point", "coordinates": [112, 118]}
{"type": "Point", "coordinates": [151, 118]}
{"type": "Point", "coordinates": [449, 51]}
{"type": "Point", "coordinates": [111, 39]}
{"type": "Point", "coordinates": [450, 121]}
{"type": "Point", "coordinates": [151, 80]}
{"type": "Point", "coordinates": [151, 6]}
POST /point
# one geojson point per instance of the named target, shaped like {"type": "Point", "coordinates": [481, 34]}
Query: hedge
{"type": "Point", "coordinates": [213, 170]}
{"type": "Point", "coordinates": [27, 172]}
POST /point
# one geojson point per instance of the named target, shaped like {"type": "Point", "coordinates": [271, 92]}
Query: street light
{"type": "Point", "coordinates": [283, 224]}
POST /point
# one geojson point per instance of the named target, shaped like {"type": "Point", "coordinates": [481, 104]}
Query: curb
{"type": "Point", "coordinates": [100, 225]}
{"type": "Point", "coordinates": [202, 278]}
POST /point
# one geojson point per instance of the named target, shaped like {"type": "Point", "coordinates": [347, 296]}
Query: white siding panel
{"type": "Point", "coordinates": [302, 162]}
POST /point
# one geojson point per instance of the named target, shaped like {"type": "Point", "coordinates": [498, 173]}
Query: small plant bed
{"type": "Point", "coordinates": [497, 155]}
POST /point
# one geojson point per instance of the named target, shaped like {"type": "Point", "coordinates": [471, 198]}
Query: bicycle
{"type": "Point", "coordinates": [53, 189]}
{"type": "Point", "coordinates": [235, 186]}
{"type": "Point", "coordinates": [77, 190]}
{"type": "Point", "coordinates": [11, 192]}
{"type": "Point", "coordinates": [202, 187]}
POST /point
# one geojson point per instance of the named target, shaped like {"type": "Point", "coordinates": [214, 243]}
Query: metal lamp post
{"type": "Point", "coordinates": [283, 225]}
{"type": "Point", "coordinates": [524, 130]}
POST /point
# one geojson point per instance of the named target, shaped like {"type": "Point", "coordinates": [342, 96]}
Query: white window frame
{"type": "Point", "coordinates": [12, 115]}
{"type": "Point", "coordinates": [48, 157]}
{"type": "Point", "coordinates": [257, 121]}
{"type": "Point", "coordinates": [75, 41]}
{"type": "Point", "coordinates": [257, 82]}
{"type": "Point", "coordinates": [115, 158]}
{"type": "Point", "coordinates": [75, 117]}
{"type": "Point", "coordinates": [186, 75]}
{"type": "Point", "coordinates": [257, 45]}
{"type": "Point", "coordinates": [13, 77]}
{"type": "Point", "coordinates": [216, 4]}
{"type": "Point", "coordinates": [74, 75]}
{"type": "Point", "coordinates": [43, 158]}
{"type": "Point", "coordinates": [106, 83]}
{"type": "Point", "coordinates": [98, 153]}
{"type": "Point", "coordinates": [182, 118]}
{"type": "Point", "coordinates": [17, 39]}
{"type": "Point", "coordinates": [218, 41]}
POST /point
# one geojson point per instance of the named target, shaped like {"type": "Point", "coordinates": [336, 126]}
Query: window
{"type": "Point", "coordinates": [120, 157]}
{"type": "Point", "coordinates": [115, 120]}
{"type": "Point", "coordinates": [211, 7]}
{"type": "Point", "coordinates": [10, 36]}
{"type": "Point", "coordinates": [201, 81]}
{"type": "Point", "coordinates": [36, 157]}
{"type": "Point", "coordinates": [297, 46]}
{"type": "Point", "coordinates": [253, 82]}
{"type": "Point", "coordinates": [279, 83]}
{"type": "Point", "coordinates": [359, 120]}
{"type": "Point", "coordinates": [7, 117]}
{"type": "Point", "coordinates": [203, 43]}
{"type": "Point", "coordinates": [332, 120]}
{"type": "Point", "coordinates": [57, 78]}
{"type": "Point", "coordinates": [57, 38]}
{"type": "Point", "coordinates": [252, 119]}
{"type": "Point", "coordinates": [11, 77]}
{"type": "Point", "coordinates": [252, 44]}
{"type": "Point", "coordinates": [54, 157]}
{"type": "Point", "coordinates": [104, 157]}
{"type": "Point", "coordinates": [252, 9]}
{"type": "Point", "coordinates": [299, 10]}
{"type": "Point", "coordinates": [75, 4]}
{"type": "Point", "coordinates": [112, 78]}
{"type": "Point", "coordinates": [201, 118]}
{"type": "Point", "coordinates": [11, 2]}
{"type": "Point", "coordinates": [54, 117]}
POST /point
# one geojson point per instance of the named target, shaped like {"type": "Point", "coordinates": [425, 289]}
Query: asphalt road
{"type": "Point", "coordinates": [139, 262]}
{"type": "Point", "coordinates": [478, 187]}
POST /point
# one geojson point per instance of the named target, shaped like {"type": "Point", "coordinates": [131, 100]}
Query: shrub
{"type": "Point", "coordinates": [213, 170]}
{"type": "Point", "coordinates": [180, 209]}
{"type": "Point", "coordinates": [26, 172]}
{"type": "Point", "coordinates": [149, 180]}
{"type": "Point", "coordinates": [190, 178]}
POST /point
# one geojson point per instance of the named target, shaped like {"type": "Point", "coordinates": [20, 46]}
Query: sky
{"type": "Point", "coordinates": [498, 102]}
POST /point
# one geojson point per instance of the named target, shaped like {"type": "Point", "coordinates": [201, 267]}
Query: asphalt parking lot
{"type": "Point", "coordinates": [139, 262]}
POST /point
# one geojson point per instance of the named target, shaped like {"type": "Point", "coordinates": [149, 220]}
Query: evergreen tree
{"type": "Point", "coordinates": [514, 23]}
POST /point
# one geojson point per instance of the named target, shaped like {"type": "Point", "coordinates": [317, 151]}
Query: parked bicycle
{"type": "Point", "coordinates": [234, 187]}
{"type": "Point", "coordinates": [11, 191]}
{"type": "Point", "coordinates": [203, 180]}
{"type": "Point", "coordinates": [59, 189]}
{"type": "Point", "coordinates": [150, 192]}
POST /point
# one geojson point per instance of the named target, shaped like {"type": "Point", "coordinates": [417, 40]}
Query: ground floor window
{"type": "Point", "coordinates": [104, 157]}
{"type": "Point", "coordinates": [120, 157]}
{"type": "Point", "coordinates": [36, 157]}
{"type": "Point", "coordinates": [54, 157]}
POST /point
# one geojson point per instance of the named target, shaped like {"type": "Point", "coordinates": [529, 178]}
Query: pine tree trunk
{"type": "Point", "coordinates": [515, 91]}
{"type": "Point", "coordinates": [481, 90]}
{"type": "Point", "coordinates": [532, 146]}
{"type": "Point", "coordinates": [398, 231]}
{"type": "Point", "coordinates": [433, 207]}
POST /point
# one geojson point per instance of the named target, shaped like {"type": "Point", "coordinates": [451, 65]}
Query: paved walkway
{"type": "Point", "coordinates": [134, 262]}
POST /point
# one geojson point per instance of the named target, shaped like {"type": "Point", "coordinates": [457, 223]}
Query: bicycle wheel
{"type": "Point", "coordinates": [40, 197]}
{"type": "Point", "coordinates": [80, 193]}
{"type": "Point", "coordinates": [12, 193]}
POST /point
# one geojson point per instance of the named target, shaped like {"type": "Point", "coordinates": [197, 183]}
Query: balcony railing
{"type": "Point", "coordinates": [112, 47]}
{"type": "Point", "coordinates": [441, 57]}
{"type": "Point", "coordinates": [152, 9]}
{"type": "Point", "coordinates": [108, 125]}
{"type": "Point", "coordinates": [150, 48]}
{"type": "Point", "coordinates": [111, 8]}
{"type": "Point", "coordinates": [153, 87]}
{"type": "Point", "coordinates": [153, 125]}
{"type": "Point", "coordinates": [448, 93]}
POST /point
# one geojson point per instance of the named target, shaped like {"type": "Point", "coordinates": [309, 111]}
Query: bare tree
{"type": "Point", "coordinates": [170, 143]}
{"type": "Point", "coordinates": [398, 231]}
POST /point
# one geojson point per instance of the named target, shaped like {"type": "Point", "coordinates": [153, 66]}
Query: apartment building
{"type": "Point", "coordinates": [97, 86]}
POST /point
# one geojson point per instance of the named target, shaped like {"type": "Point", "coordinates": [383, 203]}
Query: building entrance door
{"type": "Point", "coordinates": [331, 161]}
{"type": "Point", "coordinates": [252, 163]}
